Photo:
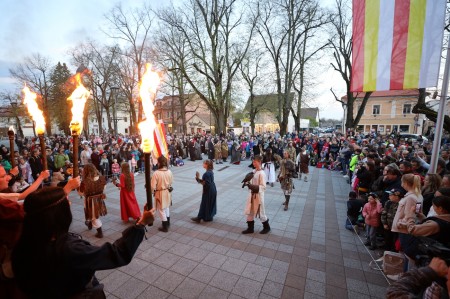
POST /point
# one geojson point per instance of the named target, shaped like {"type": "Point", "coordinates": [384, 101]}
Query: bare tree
{"type": "Point", "coordinates": [342, 52]}
{"type": "Point", "coordinates": [36, 71]}
{"type": "Point", "coordinates": [14, 103]}
{"type": "Point", "coordinates": [250, 72]}
{"type": "Point", "coordinates": [132, 27]}
{"type": "Point", "coordinates": [172, 52]}
{"type": "Point", "coordinates": [310, 46]}
{"type": "Point", "coordinates": [283, 26]}
{"type": "Point", "coordinates": [218, 39]}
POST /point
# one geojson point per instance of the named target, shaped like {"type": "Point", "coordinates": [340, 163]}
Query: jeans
{"type": "Point", "coordinates": [371, 234]}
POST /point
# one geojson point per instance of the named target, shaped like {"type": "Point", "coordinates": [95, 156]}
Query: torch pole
{"type": "Point", "coordinates": [44, 153]}
{"type": "Point", "coordinates": [75, 154]}
{"type": "Point", "coordinates": [148, 186]}
{"type": "Point", "coordinates": [11, 147]}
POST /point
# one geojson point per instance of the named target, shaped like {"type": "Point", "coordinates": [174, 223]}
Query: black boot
{"type": "Point", "coordinates": [168, 222]}
{"type": "Point", "coordinates": [286, 203]}
{"type": "Point", "coordinates": [266, 227]}
{"type": "Point", "coordinates": [99, 233]}
{"type": "Point", "coordinates": [164, 228]}
{"type": "Point", "coordinates": [250, 229]}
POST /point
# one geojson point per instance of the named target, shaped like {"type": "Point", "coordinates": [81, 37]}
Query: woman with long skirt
{"type": "Point", "coordinates": [208, 206]}
{"type": "Point", "coordinates": [128, 203]}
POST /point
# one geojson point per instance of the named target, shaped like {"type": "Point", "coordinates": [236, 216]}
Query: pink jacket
{"type": "Point", "coordinates": [372, 213]}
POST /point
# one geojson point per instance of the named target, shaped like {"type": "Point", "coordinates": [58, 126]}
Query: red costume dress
{"type": "Point", "coordinates": [128, 203]}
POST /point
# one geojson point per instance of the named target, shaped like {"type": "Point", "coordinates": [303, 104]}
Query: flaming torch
{"type": "Point", "coordinates": [147, 92]}
{"type": "Point", "coordinates": [11, 134]}
{"type": "Point", "coordinates": [38, 118]}
{"type": "Point", "coordinates": [78, 97]}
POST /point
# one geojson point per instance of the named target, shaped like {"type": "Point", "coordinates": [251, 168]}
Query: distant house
{"type": "Point", "coordinates": [267, 109]}
{"type": "Point", "coordinates": [198, 116]}
{"type": "Point", "coordinates": [388, 111]}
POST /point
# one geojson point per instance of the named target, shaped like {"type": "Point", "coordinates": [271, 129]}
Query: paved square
{"type": "Point", "coordinates": [308, 253]}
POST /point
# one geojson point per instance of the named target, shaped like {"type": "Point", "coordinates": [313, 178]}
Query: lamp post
{"type": "Point", "coordinates": [115, 91]}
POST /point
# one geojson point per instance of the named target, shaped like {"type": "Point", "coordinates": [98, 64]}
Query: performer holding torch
{"type": "Point", "coordinates": [161, 182]}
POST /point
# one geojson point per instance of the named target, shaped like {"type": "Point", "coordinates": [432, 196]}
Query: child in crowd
{"type": "Point", "coordinates": [354, 207]}
{"type": "Point", "coordinates": [133, 165]}
{"type": "Point", "coordinates": [25, 170]}
{"type": "Point", "coordinates": [371, 213]}
{"type": "Point", "coordinates": [387, 217]}
{"type": "Point", "coordinates": [19, 185]}
{"type": "Point", "coordinates": [104, 165]}
{"type": "Point", "coordinates": [115, 168]}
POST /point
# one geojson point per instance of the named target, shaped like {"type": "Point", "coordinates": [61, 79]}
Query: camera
{"type": "Point", "coordinates": [429, 249]}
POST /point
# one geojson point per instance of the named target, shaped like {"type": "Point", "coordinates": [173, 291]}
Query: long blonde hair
{"type": "Point", "coordinates": [412, 181]}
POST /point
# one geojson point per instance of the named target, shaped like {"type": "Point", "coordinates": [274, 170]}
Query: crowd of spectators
{"type": "Point", "coordinates": [393, 196]}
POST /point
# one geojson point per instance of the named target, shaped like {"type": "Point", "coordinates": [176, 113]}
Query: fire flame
{"type": "Point", "coordinates": [78, 97]}
{"type": "Point", "coordinates": [147, 92]}
{"type": "Point", "coordinates": [33, 109]}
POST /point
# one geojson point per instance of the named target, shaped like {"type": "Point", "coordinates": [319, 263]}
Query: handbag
{"type": "Point", "coordinates": [393, 262]}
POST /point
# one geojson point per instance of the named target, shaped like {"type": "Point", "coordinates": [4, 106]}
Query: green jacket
{"type": "Point", "coordinates": [353, 162]}
{"type": "Point", "coordinates": [60, 160]}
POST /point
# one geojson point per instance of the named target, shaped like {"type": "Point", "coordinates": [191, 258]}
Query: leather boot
{"type": "Point", "coordinates": [99, 233]}
{"type": "Point", "coordinates": [266, 227]}
{"type": "Point", "coordinates": [164, 228]}
{"type": "Point", "coordinates": [250, 227]}
{"type": "Point", "coordinates": [168, 222]}
{"type": "Point", "coordinates": [286, 203]}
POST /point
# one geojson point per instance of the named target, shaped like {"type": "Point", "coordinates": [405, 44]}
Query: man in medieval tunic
{"type": "Point", "coordinates": [161, 183]}
{"type": "Point", "coordinates": [254, 206]}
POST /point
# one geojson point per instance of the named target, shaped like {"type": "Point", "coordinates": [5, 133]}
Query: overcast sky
{"type": "Point", "coordinates": [52, 27]}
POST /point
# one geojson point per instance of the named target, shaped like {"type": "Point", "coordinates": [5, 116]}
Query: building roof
{"type": "Point", "coordinates": [387, 94]}
{"type": "Point", "coordinates": [309, 113]}
{"type": "Point", "coordinates": [265, 102]}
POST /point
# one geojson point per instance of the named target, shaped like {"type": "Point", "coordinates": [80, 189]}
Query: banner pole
{"type": "Point", "coordinates": [441, 115]}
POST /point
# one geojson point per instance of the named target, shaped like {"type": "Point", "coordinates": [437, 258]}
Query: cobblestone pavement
{"type": "Point", "coordinates": [308, 253]}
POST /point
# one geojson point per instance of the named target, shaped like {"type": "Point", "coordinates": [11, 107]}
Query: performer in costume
{"type": "Point", "coordinates": [303, 162]}
{"type": "Point", "coordinates": [217, 151]}
{"type": "Point", "coordinates": [287, 169]}
{"type": "Point", "coordinates": [269, 166]}
{"type": "Point", "coordinates": [161, 181]}
{"type": "Point", "coordinates": [208, 206]}
{"type": "Point", "coordinates": [92, 188]}
{"type": "Point", "coordinates": [128, 203]}
{"type": "Point", "coordinates": [255, 200]}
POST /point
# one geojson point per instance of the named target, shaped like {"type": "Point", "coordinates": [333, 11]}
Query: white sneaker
{"type": "Point", "coordinates": [345, 177]}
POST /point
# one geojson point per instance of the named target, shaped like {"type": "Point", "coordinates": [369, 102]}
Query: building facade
{"type": "Point", "coordinates": [389, 111]}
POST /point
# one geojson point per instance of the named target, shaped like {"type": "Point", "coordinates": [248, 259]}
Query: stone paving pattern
{"type": "Point", "coordinates": [307, 254]}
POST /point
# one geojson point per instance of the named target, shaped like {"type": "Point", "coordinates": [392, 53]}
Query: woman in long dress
{"type": "Point", "coordinates": [92, 188]}
{"type": "Point", "coordinates": [208, 205]}
{"type": "Point", "coordinates": [128, 203]}
{"type": "Point", "coordinates": [269, 166]}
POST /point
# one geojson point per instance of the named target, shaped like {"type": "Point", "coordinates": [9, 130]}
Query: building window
{"type": "Point", "coordinates": [168, 114]}
{"type": "Point", "coordinates": [381, 128]}
{"type": "Point", "coordinates": [376, 109]}
{"type": "Point", "coordinates": [404, 128]}
{"type": "Point", "coordinates": [406, 108]}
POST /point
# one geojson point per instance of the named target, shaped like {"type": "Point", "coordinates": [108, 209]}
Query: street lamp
{"type": "Point", "coordinates": [115, 91]}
